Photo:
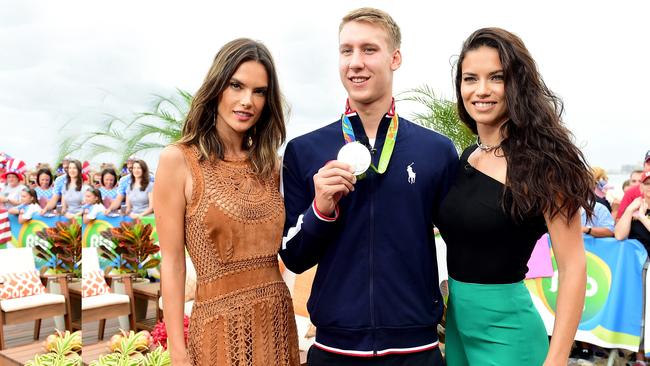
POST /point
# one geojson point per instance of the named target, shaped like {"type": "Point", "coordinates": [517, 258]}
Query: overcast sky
{"type": "Point", "coordinates": [69, 63]}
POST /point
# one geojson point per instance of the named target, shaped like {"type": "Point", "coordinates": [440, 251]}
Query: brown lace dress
{"type": "Point", "coordinates": [242, 313]}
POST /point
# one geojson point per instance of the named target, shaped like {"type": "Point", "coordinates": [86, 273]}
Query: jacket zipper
{"type": "Point", "coordinates": [372, 237]}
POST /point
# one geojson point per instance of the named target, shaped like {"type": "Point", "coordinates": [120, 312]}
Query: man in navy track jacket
{"type": "Point", "coordinates": [375, 294]}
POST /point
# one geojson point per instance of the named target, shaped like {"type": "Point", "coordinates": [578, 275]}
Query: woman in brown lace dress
{"type": "Point", "coordinates": [217, 194]}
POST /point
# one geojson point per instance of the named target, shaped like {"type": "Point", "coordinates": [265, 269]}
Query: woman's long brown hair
{"type": "Point", "coordinates": [269, 132]}
{"type": "Point", "coordinates": [144, 179]}
{"type": "Point", "coordinates": [547, 173]}
{"type": "Point", "coordinates": [80, 179]}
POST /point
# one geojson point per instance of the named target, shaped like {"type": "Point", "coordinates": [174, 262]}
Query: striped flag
{"type": "Point", "coordinates": [5, 230]}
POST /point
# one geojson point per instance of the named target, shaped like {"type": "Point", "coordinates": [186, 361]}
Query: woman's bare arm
{"type": "Point", "coordinates": [170, 222]}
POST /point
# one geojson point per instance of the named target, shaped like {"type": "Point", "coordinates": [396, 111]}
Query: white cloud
{"type": "Point", "coordinates": [75, 61]}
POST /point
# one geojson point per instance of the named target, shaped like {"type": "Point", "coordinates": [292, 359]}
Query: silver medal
{"type": "Point", "coordinates": [356, 155]}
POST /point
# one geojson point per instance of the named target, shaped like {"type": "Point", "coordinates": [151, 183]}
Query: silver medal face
{"type": "Point", "coordinates": [356, 155]}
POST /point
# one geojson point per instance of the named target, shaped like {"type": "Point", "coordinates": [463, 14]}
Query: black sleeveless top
{"type": "Point", "coordinates": [640, 232]}
{"type": "Point", "coordinates": [484, 245]}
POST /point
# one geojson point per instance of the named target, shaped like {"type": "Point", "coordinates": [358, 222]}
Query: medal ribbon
{"type": "Point", "coordinates": [389, 143]}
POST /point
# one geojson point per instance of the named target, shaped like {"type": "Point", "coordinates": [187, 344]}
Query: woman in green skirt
{"type": "Point", "coordinates": [524, 177]}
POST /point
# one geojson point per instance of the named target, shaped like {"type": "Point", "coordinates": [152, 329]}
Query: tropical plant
{"type": "Point", "coordinates": [63, 253]}
{"type": "Point", "coordinates": [151, 130]}
{"type": "Point", "coordinates": [165, 121]}
{"type": "Point", "coordinates": [108, 138]}
{"type": "Point", "coordinates": [440, 115]}
{"type": "Point", "coordinates": [157, 357]}
{"type": "Point", "coordinates": [63, 350]}
{"type": "Point", "coordinates": [133, 250]}
{"type": "Point", "coordinates": [133, 349]}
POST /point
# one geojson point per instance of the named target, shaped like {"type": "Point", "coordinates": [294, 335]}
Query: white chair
{"type": "Point", "coordinates": [105, 306]}
{"type": "Point", "coordinates": [35, 307]}
{"type": "Point", "coordinates": [190, 287]}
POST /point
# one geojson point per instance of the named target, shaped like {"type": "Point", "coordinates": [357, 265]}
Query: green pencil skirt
{"type": "Point", "coordinates": [493, 325]}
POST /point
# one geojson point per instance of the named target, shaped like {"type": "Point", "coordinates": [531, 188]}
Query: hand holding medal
{"type": "Point", "coordinates": [337, 178]}
{"type": "Point", "coordinates": [333, 181]}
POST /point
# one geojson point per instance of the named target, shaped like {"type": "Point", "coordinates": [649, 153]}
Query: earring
{"type": "Point", "coordinates": [250, 137]}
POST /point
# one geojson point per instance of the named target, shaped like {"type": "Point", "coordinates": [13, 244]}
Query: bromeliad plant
{"type": "Point", "coordinates": [134, 349]}
{"type": "Point", "coordinates": [63, 253]}
{"type": "Point", "coordinates": [63, 349]}
{"type": "Point", "coordinates": [133, 248]}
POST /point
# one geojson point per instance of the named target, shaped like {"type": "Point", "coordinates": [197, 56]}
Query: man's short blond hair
{"type": "Point", "coordinates": [376, 17]}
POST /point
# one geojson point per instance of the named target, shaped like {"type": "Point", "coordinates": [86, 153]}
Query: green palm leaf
{"type": "Point", "coordinates": [66, 147]}
{"type": "Point", "coordinates": [439, 115]}
{"type": "Point", "coordinates": [149, 130]}
{"type": "Point", "coordinates": [148, 145]}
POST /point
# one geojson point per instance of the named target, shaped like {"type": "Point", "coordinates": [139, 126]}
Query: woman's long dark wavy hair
{"type": "Point", "coordinates": [546, 172]}
{"type": "Point", "coordinates": [144, 179]}
{"type": "Point", "coordinates": [80, 179]}
{"type": "Point", "coordinates": [268, 133]}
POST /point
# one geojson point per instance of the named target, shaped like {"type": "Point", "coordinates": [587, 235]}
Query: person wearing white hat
{"type": "Point", "coordinates": [10, 193]}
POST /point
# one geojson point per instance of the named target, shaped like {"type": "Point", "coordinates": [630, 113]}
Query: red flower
{"type": "Point", "coordinates": [159, 332]}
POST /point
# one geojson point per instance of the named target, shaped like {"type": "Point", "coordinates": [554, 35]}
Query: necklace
{"type": "Point", "coordinates": [486, 148]}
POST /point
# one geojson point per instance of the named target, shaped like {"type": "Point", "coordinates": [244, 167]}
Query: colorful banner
{"type": "Point", "coordinates": [613, 305]}
{"type": "Point", "coordinates": [92, 232]}
{"type": "Point", "coordinates": [25, 235]}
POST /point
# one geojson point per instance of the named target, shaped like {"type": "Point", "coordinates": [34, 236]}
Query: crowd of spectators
{"type": "Point", "coordinates": [627, 218]}
{"type": "Point", "coordinates": [75, 189]}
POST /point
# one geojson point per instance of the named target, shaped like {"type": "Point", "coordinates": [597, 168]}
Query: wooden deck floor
{"type": "Point", "coordinates": [22, 334]}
